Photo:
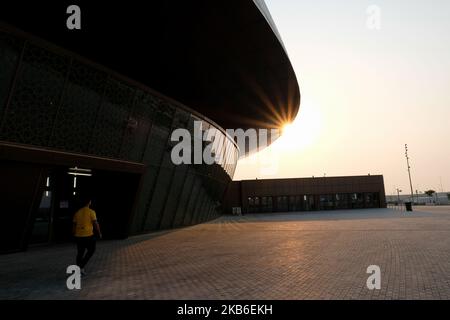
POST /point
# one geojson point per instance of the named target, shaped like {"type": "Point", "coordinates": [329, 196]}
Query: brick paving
{"type": "Point", "coordinates": [319, 255]}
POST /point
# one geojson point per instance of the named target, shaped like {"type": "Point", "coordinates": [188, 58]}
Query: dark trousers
{"type": "Point", "coordinates": [84, 245]}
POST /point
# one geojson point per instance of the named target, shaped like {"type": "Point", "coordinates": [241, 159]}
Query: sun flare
{"type": "Point", "coordinates": [302, 132]}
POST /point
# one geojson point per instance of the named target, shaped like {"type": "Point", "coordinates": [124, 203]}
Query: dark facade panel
{"type": "Point", "coordinates": [18, 201]}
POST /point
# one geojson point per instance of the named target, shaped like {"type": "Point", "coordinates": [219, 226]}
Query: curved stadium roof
{"type": "Point", "coordinates": [224, 59]}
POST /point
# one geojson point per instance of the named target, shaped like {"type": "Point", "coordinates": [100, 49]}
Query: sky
{"type": "Point", "coordinates": [366, 92]}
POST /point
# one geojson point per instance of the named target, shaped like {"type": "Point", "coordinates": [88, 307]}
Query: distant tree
{"type": "Point", "coordinates": [430, 192]}
{"type": "Point", "coordinates": [448, 196]}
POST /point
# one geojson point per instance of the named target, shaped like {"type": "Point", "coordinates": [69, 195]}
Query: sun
{"type": "Point", "coordinates": [287, 128]}
{"type": "Point", "coordinates": [302, 132]}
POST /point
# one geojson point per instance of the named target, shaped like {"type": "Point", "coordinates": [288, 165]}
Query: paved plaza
{"type": "Point", "coordinates": [316, 255]}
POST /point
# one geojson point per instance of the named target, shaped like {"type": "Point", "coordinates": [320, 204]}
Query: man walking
{"type": "Point", "coordinates": [84, 222]}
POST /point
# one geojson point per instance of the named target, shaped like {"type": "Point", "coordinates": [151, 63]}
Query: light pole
{"type": "Point", "coordinates": [409, 171]}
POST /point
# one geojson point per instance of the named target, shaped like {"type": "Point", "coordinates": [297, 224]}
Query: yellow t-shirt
{"type": "Point", "coordinates": [84, 219]}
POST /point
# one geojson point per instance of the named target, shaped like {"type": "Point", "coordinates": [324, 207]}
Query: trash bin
{"type": "Point", "coordinates": [408, 206]}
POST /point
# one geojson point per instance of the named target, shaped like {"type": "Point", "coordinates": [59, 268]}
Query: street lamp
{"type": "Point", "coordinates": [409, 171]}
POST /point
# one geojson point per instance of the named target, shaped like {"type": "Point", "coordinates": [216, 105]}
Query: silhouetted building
{"type": "Point", "coordinates": [306, 194]}
{"type": "Point", "coordinates": [91, 111]}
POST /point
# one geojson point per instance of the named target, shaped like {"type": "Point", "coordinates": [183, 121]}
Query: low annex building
{"type": "Point", "coordinates": [305, 194]}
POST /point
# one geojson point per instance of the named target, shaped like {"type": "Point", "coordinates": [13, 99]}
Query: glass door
{"type": "Point", "coordinates": [43, 215]}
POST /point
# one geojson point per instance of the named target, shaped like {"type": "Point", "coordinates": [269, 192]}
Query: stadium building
{"type": "Point", "coordinates": [92, 110]}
